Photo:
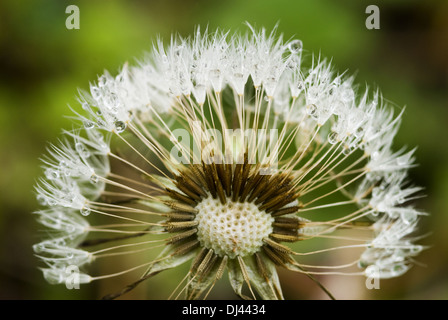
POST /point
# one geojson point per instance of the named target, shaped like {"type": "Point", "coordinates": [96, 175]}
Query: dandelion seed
{"type": "Point", "coordinates": [232, 149]}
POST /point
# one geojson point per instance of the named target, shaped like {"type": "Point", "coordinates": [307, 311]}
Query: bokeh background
{"type": "Point", "coordinates": [42, 65]}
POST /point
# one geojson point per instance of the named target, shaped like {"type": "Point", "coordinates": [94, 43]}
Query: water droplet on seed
{"type": "Point", "coordinates": [82, 150]}
{"type": "Point", "coordinates": [359, 132]}
{"type": "Point", "coordinates": [333, 137]}
{"type": "Point", "coordinates": [178, 50]}
{"type": "Point", "coordinates": [295, 46]}
{"type": "Point", "coordinates": [312, 110]}
{"type": "Point", "coordinates": [41, 200]}
{"type": "Point", "coordinates": [38, 247]}
{"type": "Point", "coordinates": [85, 211]}
{"type": "Point", "coordinates": [100, 123]}
{"type": "Point", "coordinates": [120, 126]}
{"type": "Point", "coordinates": [347, 150]}
{"type": "Point", "coordinates": [51, 174]}
{"type": "Point", "coordinates": [102, 81]}
{"type": "Point", "coordinates": [409, 217]}
{"type": "Point", "coordinates": [94, 178]}
{"type": "Point", "coordinates": [96, 92]}
{"type": "Point", "coordinates": [89, 124]}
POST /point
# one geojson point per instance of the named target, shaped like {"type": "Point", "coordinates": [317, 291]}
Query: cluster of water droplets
{"type": "Point", "coordinates": [390, 253]}
{"type": "Point", "coordinates": [390, 194]}
{"type": "Point", "coordinates": [73, 176]}
{"type": "Point", "coordinates": [192, 68]}
{"type": "Point", "coordinates": [68, 275]}
{"type": "Point", "coordinates": [76, 163]}
{"type": "Point", "coordinates": [58, 253]}
{"type": "Point", "coordinates": [109, 103]}
{"type": "Point", "coordinates": [385, 161]}
{"type": "Point", "coordinates": [63, 221]}
{"type": "Point", "coordinates": [62, 192]}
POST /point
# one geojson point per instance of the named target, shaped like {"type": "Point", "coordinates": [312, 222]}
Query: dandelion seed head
{"type": "Point", "coordinates": [231, 147]}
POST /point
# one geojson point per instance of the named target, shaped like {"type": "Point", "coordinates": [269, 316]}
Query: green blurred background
{"type": "Point", "coordinates": [42, 64]}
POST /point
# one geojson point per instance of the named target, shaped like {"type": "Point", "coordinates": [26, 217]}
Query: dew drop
{"type": "Point", "coordinates": [359, 132]}
{"type": "Point", "coordinates": [120, 126]}
{"type": "Point", "coordinates": [51, 174]}
{"type": "Point", "coordinates": [409, 217]}
{"type": "Point", "coordinates": [312, 110]}
{"type": "Point", "coordinates": [41, 200]}
{"type": "Point", "coordinates": [114, 110]}
{"type": "Point", "coordinates": [178, 50]}
{"type": "Point", "coordinates": [102, 81]}
{"type": "Point", "coordinates": [81, 149]}
{"type": "Point", "coordinates": [100, 123]}
{"type": "Point", "coordinates": [333, 137]}
{"type": "Point", "coordinates": [96, 92]}
{"type": "Point", "coordinates": [113, 101]}
{"type": "Point", "coordinates": [215, 73]}
{"type": "Point", "coordinates": [94, 178]}
{"type": "Point", "coordinates": [38, 247]}
{"type": "Point", "coordinates": [375, 213]}
{"type": "Point", "coordinates": [291, 65]}
{"type": "Point", "coordinates": [88, 124]}
{"type": "Point", "coordinates": [85, 211]}
{"type": "Point", "coordinates": [347, 150]}
{"type": "Point", "coordinates": [337, 81]}
{"type": "Point", "coordinates": [295, 46]}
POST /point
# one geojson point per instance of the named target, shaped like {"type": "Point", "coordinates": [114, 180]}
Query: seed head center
{"type": "Point", "coordinates": [232, 229]}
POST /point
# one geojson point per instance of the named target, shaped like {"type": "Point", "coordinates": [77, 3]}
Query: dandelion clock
{"type": "Point", "coordinates": [236, 155]}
